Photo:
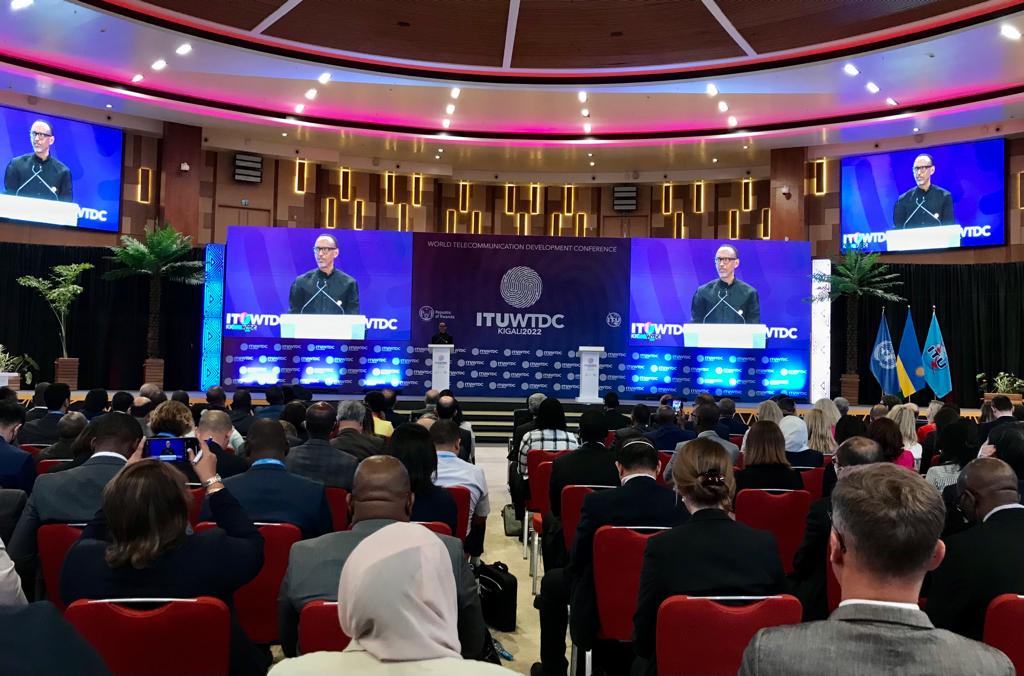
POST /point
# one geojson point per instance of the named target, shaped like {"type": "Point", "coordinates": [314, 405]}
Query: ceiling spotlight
{"type": "Point", "coordinates": [871, 87]}
{"type": "Point", "coordinates": [586, 127]}
{"type": "Point", "coordinates": [582, 96]}
{"type": "Point", "coordinates": [183, 49]}
{"type": "Point", "coordinates": [723, 106]}
{"type": "Point", "coordinates": [440, 150]}
{"type": "Point", "coordinates": [137, 77]}
{"type": "Point", "coordinates": [310, 94]}
{"type": "Point", "coordinates": [891, 101]}
{"type": "Point", "coordinates": [732, 121]}
{"type": "Point", "coordinates": [585, 112]}
{"type": "Point", "coordinates": [20, 4]}
{"type": "Point", "coordinates": [590, 154]}
{"type": "Point", "coordinates": [744, 147]}
{"type": "Point", "coordinates": [455, 92]}
{"type": "Point", "coordinates": [159, 64]}
{"type": "Point", "coordinates": [437, 157]}
{"type": "Point", "coordinates": [446, 123]}
{"type": "Point", "coordinates": [592, 163]}
{"type": "Point", "coordinates": [851, 69]}
{"type": "Point", "coordinates": [450, 108]}
{"type": "Point", "coordinates": [714, 160]}
{"type": "Point", "coordinates": [300, 107]}
{"type": "Point", "coordinates": [711, 89]}
{"type": "Point", "coordinates": [916, 129]}
{"type": "Point", "coordinates": [324, 78]}
{"type": "Point", "coordinates": [109, 105]}
{"type": "Point", "coordinates": [1006, 30]}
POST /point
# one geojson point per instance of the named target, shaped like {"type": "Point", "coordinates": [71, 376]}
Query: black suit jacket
{"type": "Point", "coordinates": [36, 639]}
{"type": "Point", "coordinates": [809, 561]}
{"type": "Point", "coordinates": [41, 430]}
{"type": "Point", "coordinates": [768, 477]}
{"type": "Point", "coordinates": [985, 429]}
{"type": "Point", "coordinates": [591, 464]}
{"type": "Point", "coordinates": [360, 446]}
{"type": "Point", "coordinates": [318, 460]}
{"type": "Point", "coordinates": [613, 420]}
{"type": "Point", "coordinates": [733, 425]}
{"type": "Point", "coordinates": [517, 437]}
{"type": "Point", "coordinates": [521, 416]}
{"type": "Point", "coordinates": [981, 563]}
{"type": "Point", "coordinates": [709, 555]}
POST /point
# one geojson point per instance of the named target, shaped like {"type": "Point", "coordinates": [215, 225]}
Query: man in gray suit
{"type": "Point", "coordinates": [74, 495]}
{"type": "Point", "coordinates": [380, 496]}
{"type": "Point", "coordinates": [886, 524]}
{"type": "Point", "coordinates": [317, 459]}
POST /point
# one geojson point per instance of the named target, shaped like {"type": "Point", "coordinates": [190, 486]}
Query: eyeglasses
{"type": "Point", "coordinates": [39, 134]}
{"type": "Point", "coordinates": [725, 260]}
{"type": "Point", "coordinates": [923, 168]}
{"type": "Point", "coordinates": [324, 249]}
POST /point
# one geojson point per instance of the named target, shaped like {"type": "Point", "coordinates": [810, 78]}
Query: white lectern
{"type": "Point", "coordinates": [590, 373]}
{"type": "Point", "coordinates": [441, 366]}
{"type": "Point", "coordinates": [741, 336]}
{"type": "Point", "coordinates": [920, 239]}
{"type": "Point", "coordinates": [324, 327]}
{"type": "Point", "coordinates": [35, 210]}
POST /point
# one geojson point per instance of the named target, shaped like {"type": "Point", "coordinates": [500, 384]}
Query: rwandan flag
{"type": "Point", "coordinates": [883, 360]}
{"type": "Point", "coordinates": [909, 368]}
{"type": "Point", "coordinates": [936, 362]}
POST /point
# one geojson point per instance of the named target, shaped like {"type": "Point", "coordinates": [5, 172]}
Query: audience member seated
{"type": "Point", "coordinates": [350, 437]}
{"type": "Point", "coordinates": [397, 599]}
{"type": "Point", "coordinates": [181, 396]}
{"type": "Point", "coordinates": [36, 640]}
{"type": "Point", "coordinates": [139, 546]}
{"type": "Point", "coordinates": [241, 411]}
{"type": "Point", "coordinates": [850, 426]}
{"type": "Point", "coordinates": [81, 448]}
{"type": "Point", "coordinates": [215, 425]}
{"type": "Point", "coordinates": [380, 497]}
{"type": "Point", "coordinates": [831, 412]}
{"type": "Point", "coordinates": [809, 561]}
{"type": "Point", "coordinates": [667, 434]}
{"type": "Point", "coordinates": [7, 394]}
{"type": "Point", "coordinates": [764, 462]}
{"type": "Point", "coordinates": [709, 555]}
{"type": "Point", "coordinates": [390, 401]}
{"type": "Point", "coordinates": [43, 430]}
{"type": "Point", "coordinates": [1006, 443]}
{"type": "Point", "coordinates": [639, 422]}
{"type": "Point", "coordinates": [933, 408]}
{"type": "Point", "coordinates": [290, 433]}
{"type": "Point", "coordinates": [275, 404]}
{"type": "Point", "coordinates": [705, 418]}
{"type": "Point", "coordinates": [550, 434]}
{"type": "Point", "coordinates": [729, 419]}
{"type": "Point", "coordinates": [173, 419]}
{"type": "Point", "coordinates": [11, 593]}
{"type": "Point", "coordinates": [216, 399]}
{"type": "Point", "coordinates": [454, 471]}
{"type": "Point", "coordinates": [592, 464]}
{"type": "Point", "coordinates": [268, 492]}
{"type": "Point", "coordinates": [376, 402]}
{"type": "Point", "coordinates": [429, 402]}
{"type": "Point", "coordinates": [17, 469]}
{"type": "Point", "coordinates": [317, 459]}
{"type": "Point", "coordinates": [820, 441]}
{"type": "Point", "coordinates": [887, 434]}
{"type": "Point", "coordinates": [957, 445]}
{"type": "Point", "coordinates": [295, 413]}
{"type": "Point", "coordinates": [121, 402]}
{"type": "Point", "coordinates": [96, 403]}
{"type": "Point", "coordinates": [639, 501]}
{"type": "Point", "coordinates": [947, 414]}
{"type": "Point", "coordinates": [533, 403]}
{"type": "Point", "coordinates": [613, 418]}
{"type": "Point", "coordinates": [517, 486]}
{"type": "Point", "coordinates": [38, 408]}
{"type": "Point", "coordinates": [794, 429]}
{"type": "Point", "coordinates": [69, 427]}
{"type": "Point", "coordinates": [885, 537]}
{"type": "Point", "coordinates": [1002, 410]}
{"type": "Point", "coordinates": [767, 411]}
{"type": "Point", "coordinates": [153, 392]}
{"type": "Point", "coordinates": [413, 446]}
{"type": "Point", "coordinates": [141, 409]}
{"type": "Point", "coordinates": [906, 420]}
{"type": "Point", "coordinates": [448, 408]}
{"type": "Point", "coordinates": [877, 412]}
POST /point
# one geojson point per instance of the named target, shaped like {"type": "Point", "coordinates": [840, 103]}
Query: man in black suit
{"type": "Point", "coordinates": [350, 437]}
{"type": "Point", "coordinates": [429, 402]}
{"type": "Point", "coordinates": [522, 415]}
{"type": "Point", "coordinates": [727, 409]}
{"type": "Point", "coordinates": [639, 501]}
{"type": "Point", "coordinates": [517, 486]}
{"type": "Point", "coordinates": [36, 639]}
{"type": "Point", "coordinates": [447, 408]}
{"type": "Point", "coordinates": [275, 404]}
{"type": "Point", "coordinates": [613, 418]}
{"type": "Point", "coordinates": [986, 560]}
{"type": "Point", "coordinates": [241, 411]}
{"type": "Point", "coordinates": [639, 422]}
{"type": "Point", "coordinates": [1002, 407]}
{"type": "Point", "coordinates": [809, 561]}
{"type": "Point", "coordinates": [44, 430]}
{"type": "Point", "coordinates": [667, 434]}
{"type": "Point", "coordinates": [317, 459]}
{"type": "Point", "coordinates": [390, 400]}
{"type": "Point", "coordinates": [17, 468]}
{"type": "Point", "coordinates": [215, 426]}
{"type": "Point", "coordinates": [216, 399]}
{"type": "Point", "coordinates": [269, 493]}
{"type": "Point", "coordinates": [38, 408]}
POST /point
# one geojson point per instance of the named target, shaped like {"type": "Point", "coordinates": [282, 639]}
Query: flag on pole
{"type": "Point", "coordinates": [909, 368]}
{"type": "Point", "coordinates": [883, 360]}
{"type": "Point", "coordinates": [935, 360]}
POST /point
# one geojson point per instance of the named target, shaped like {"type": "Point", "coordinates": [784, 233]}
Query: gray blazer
{"type": "Point", "coordinates": [867, 640]}
{"type": "Point", "coordinates": [318, 460]}
{"type": "Point", "coordinates": [314, 567]}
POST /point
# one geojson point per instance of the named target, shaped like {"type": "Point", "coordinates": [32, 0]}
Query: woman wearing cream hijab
{"type": "Point", "coordinates": [397, 600]}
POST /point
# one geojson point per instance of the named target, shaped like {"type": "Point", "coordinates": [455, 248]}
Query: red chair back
{"type": "Point", "coordinates": [196, 506]}
{"type": "Point", "coordinates": [256, 602]}
{"type": "Point", "coordinates": [319, 628]}
{"type": "Point", "coordinates": [54, 540]}
{"type": "Point", "coordinates": [783, 514]}
{"type": "Point", "coordinates": [46, 466]}
{"type": "Point", "coordinates": [736, 439]}
{"type": "Point", "coordinates": [462, 497]}
{"type": "Point", "coordinates": [664, 457]}
{"type": "Point", "coordinates": [572, 505]}
{"type": "Point", "coordinates": [436, 526]}
{"type": "Point", "coordinates": [618, 557]}
{"type": "Point", "coordinates": [740, 461]}
{"type": "Point", "coordinates": [702, 636]}
{"type": "Point", "coordinates": [609, 438]}
{"type": "Point", "coordinates": [181, 637]}
{"type": "Point", "coordinates": [337, 500]}
{"type": "Point", "coordinates": [34, 449]}
{"type": "Point", "coordinates": [1003, 621]}
{"type": "Point", "coordinates": [813, 481]}
{"type": "Point", "coordinates": [540, 499]}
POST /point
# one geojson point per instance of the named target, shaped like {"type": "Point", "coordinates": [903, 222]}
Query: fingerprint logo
{"type": "Point", "coordinates": [521, 286]}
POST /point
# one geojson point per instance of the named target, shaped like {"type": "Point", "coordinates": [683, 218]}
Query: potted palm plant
{"type": "Point", "coordinates": [855, 275]}
{"type": "Point", "coordinates": [59, 291]}
{"type": "Point", "coordinates": [160, 255]}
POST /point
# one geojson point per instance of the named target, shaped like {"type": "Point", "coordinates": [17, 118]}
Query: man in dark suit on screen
{"type": "Point", "coordinates": [325, 290]}
{"type": "Point", "coordinates": [926, 204]}
{"type": "Point", "coordinates": [39, 174]}
{"type": "Point", "coordinates": [726, 300]}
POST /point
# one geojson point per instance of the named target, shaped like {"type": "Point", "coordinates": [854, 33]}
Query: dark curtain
{"type": "Point", "coordinates": [980, 310]}
{"type": "Point", "coordinates": [106, 324]}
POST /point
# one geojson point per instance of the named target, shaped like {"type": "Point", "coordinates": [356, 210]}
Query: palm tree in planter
{"type": "Point", "coordinates": [59, 292]}
{"type": "Point", "coordinates": [856, 275]}
{"type": "Point", "coordinates": [159, 256]}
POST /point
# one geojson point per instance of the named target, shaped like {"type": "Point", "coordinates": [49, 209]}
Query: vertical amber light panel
{"type": "Point", "coordinates": [581, 224]}
{"type": "Point", "coordinates": [698, 197]}
{"type": "Point", "coordinates": [568, 199]}
{"type": "Point", "coordinates": [666, 199]}
{"type": "Point", "coordinates": [535, 198]}
{"type": "Point", "coordinates": [389, 187]}
{"type": "Point", "coordinates": [403, 217]}
{"type": "Point", "coordinates": [556, 224]}
{"type": "Point", "coordinates": [464, 188]}
{"type": "Point", "coordinates": [145, 194]}
{"type": "Point", "coordinates": [330, 213]}
{"type": "Point", "coordinates": [820, 178]}
{"type": "Point", "coordinates": [358, 211]}
{"type": "Point", "coordinates": [734, 223]}
{"type": "Point", "coordinates": [416, 189]}
{"type": "Point", "coordinates": [522, 223]}
{"type": "Point", "coordinates": [301, 167]}
{"type": "Point", "coordinates": [747, 195]}
{"type": "Point", "coordinates": [345, 184]}
{"type": "Point", "coordinates": [510, 199]}
{"type": "Point", "coordinates": [679, 225]}
{"type": "Point", "coordinates": [450, 221]}
{"type": "Point", "coordinates": [764, 228]}
{"type": "Point", "coordinates": [476, 224]}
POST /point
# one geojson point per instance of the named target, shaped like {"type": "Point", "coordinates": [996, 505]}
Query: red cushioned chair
{"type": "Point", "coordinates": [541, 476]}
{"type": "Point", "coordinates": [195, 507]}
{"type": "Point", "coordinates": [319, 628]}
{"type": "Point", "coordinates": [180, 637]}
{"type": "Point", "coordinates": [256, 602]}
{"type": "Point", "coordinates": [462, 498]}
{"type": "Point", "coordinates": [54, 540]}
{"type": "Point", "coordinates": [741, 461]}
{"type": "Point", "coordinates": [1003, 621]}
{"type": "Point", "coordinates": [813, 479]}
{"type": "Point", "coordinates": [703, 636]}
{"type": "Point", "coordinates": [783, 513]}
{"type": "Point", "coordinates": [736, 439]}
{"type": "Point", "coordinates": [572, 505]}
{"type": "Point", "coordinates": [609, 438]}
{"type": "Point", "coordinates": [337, 500]}
{"type": "Point", "coordinates": [436, 526]}
{"type": "Point", "coordinates": [34, 449]}
{"type": "Point", "coordinates": [539, 497]}
{"type": "Point", "coordinates": [47, 466]}
{"type": "Point", "coordinates": [664, 457]}
{"type": "Point", "coordinates": [618, 557]}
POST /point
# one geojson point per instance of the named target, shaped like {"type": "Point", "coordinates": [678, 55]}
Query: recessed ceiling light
{"type": "Point", "coordinates": [450, 108]}
{"type": "Point", "coordinates": [891, 101]}
{"type": "Point", "coordinates": [586, 127]}
{"type": "Point", "coordinates": [1006, 30]}
{"type": "Point", "coordinates": [137, 77]}
{"type": "Point", "coordinates": [446, 123]}
{"type": "Point", "coordinates": [916, 129]}
{"type": "Point", "coordinates": [851, 69]}
{"type": "Point", "coordinates": [299, 107]}
{"type": "Point", "coordinates": [437, 157]}
{"type": "Point", "coordinates": [183, 49]}
{"type": "Point", "coordinates": [284, 133]}
{"type": "Point", "coordinates": [585, 112]}
{"type": "Point", "coordinates": [159, 64]}
{"type": "Point", "coordinates": [871, 87]}
{"type": "Point", "coordinates": [744, 147]}
{"type": "Point", "coordinates": [109, 105]}
{"type": "Point", "coordinates": [732, 121]}
{"type": "Point", "coordinates": [440, 150]}
{"type": "Point", "coordinates": [310, 94]}
{"type": "Point", "coordinates": [723, 106]}
{"type": "Point", "coordinates": [592, 163]}
{"type": "Point", "coordinates": [590, 154]}
{"type": "Point", "coordinates": [455, 92]}
{"type": "Point", "coordinates": [714, 160]}
{"type": "Point", "coordinates": [582, 96]}
{"type": "Point", "coordinates": [20, 4]}
{"type": "Point", "coordinates": [324, 78]}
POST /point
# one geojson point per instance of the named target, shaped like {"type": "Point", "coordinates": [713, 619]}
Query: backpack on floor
{"type": "Point", "coordinates": [498, 589]}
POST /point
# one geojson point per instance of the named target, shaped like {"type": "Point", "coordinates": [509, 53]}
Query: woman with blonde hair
{"type": "Point", "coordinates": [831, 411]}
{"type": "Point", "coordinates": [765, 464]}
{"type": "Point", "coordinates": [906, 420]}
{"type": "Point", "coordinates": [768, 411]}
{"type": "Point", "coordinates": [820, 441]}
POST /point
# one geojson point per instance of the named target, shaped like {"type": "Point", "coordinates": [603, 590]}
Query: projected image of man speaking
{"type": "Point", "coordinates": [39, 174]}
{"type": "Point", "coordinates": [726, 300]}
{"type": "Point", "coordinates": [926, 204]}
{"type": "Point", "coordinates": [325, 290]}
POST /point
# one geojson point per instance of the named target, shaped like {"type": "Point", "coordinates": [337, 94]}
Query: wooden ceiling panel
{"type": "Point", "coordinates": [468, 32]}
{"type": "Point", "coordinates": [775, 26]}
{"type": "Point", "coordinates": [612, 33]}
{"type": "Point", "coordinates": [244, 14]}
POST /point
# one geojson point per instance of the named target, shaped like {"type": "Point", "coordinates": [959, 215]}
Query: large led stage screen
{"type": "Point", "coordinates": [921, 199]}
{"type": "Point", "coordinates": [60, 172]}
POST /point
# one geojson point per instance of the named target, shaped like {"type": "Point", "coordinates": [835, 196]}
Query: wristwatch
{"type": "Point", "coordinates": [215, 479]}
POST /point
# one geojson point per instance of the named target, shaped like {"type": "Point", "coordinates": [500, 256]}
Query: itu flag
{"type": "Point", "coordinates": [936, 362]}
{"type": "Point", "coordinates": [883, 360]}
{"type": "Point", "coordinates": [909, 368]}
